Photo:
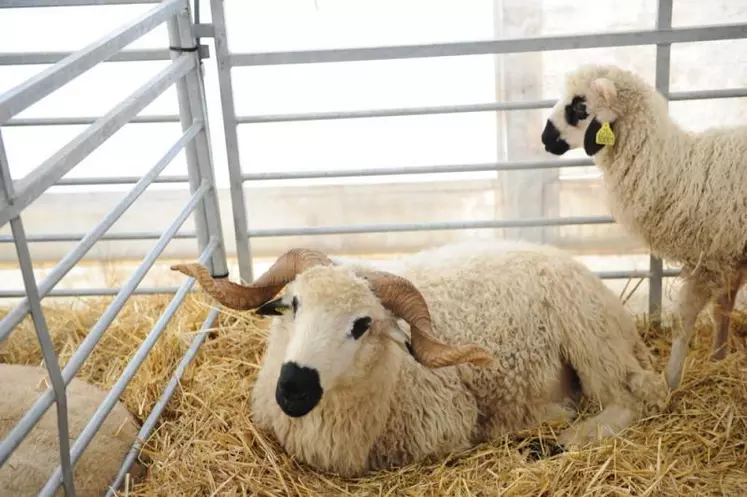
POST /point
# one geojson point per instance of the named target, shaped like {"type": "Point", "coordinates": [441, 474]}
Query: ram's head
{"type": "Point", "coordinates": [589, 102]}
{"type": "Point", "coordinates": [332, 311]}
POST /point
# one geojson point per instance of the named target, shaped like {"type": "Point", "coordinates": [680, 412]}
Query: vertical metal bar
{"type": "Point", "coordinates": [238, 203]}
{"type": "Point", "coordinates": [663, 62]}
{"type": "Point", "coordinates": [203, 153]}
{"type": "Point", "coordinates": [40, 324]}
{"type": "Point", "coordinates": [186, 119]}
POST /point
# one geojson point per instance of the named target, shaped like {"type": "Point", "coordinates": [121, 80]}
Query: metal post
{"type": "Point", "coordinates": [40, 324]}
{"type": "Point", "coordinates": [238, 203]}
{"type": "Point", "coordinates": [187, 119]}
{"type": "Point", "coordinates": [193, 91]}
{"type": "Point", "coordinates": [663, 56]}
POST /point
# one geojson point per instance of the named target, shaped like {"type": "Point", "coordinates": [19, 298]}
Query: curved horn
{"type": "Point", "coordinates": [246, 297]}
{"type": "Point", "coordinates": [405, 301]}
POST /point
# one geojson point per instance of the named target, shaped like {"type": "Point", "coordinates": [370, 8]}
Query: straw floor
{"type": "Point", "coordinates": [206, 445]}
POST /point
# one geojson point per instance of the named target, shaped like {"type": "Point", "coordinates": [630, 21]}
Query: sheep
{"type": "Point", "coordinates": [346, 389]}
{"type": "Point", "coordinates": [681, 192]}
{"type": "Point", "coordinates": [34, 461]}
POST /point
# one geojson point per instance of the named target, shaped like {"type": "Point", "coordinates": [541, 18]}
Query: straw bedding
{"type": "Point", "coordinates": [205, 443]}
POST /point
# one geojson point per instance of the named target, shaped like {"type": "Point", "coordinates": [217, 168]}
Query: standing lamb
{"type": "Point", "coordinates": [683, 193]}
{"type": "Point", "coordinates": [34, 461]}
{"type": "Point", "coordinates": [345, 389]}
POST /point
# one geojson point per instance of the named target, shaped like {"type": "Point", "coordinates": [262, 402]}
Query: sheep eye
{"type": "Point", "coordinates": [576, 111]}
{"type": "Point", "coordinates": [360, 326]}
{"type": "Point", "coordinates": [294, 304]}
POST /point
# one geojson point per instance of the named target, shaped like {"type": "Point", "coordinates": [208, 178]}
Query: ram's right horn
{"type": "Point", "coordinates": [247, 297]}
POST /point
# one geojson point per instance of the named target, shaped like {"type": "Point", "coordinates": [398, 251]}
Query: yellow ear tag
{"type": "Point", "coordinates": [605, 135]}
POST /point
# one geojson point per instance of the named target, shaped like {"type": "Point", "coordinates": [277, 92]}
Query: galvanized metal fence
{"type": "Point", "coordinates": [185, 71]}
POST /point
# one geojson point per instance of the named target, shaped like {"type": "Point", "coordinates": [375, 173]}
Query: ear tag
{"type": "Point", "coordinates": [605, 135]}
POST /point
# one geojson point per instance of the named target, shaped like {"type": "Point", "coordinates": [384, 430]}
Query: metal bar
{"type": "Point", "coordinates": [50, 360]}
{"type": "Point", "coordinates": [168, 392]}
{"type": "Point", "coordinates": [398, 112]}
{"type": "Point", "coordinates": [186, 118]}
{"type": "Point", "coordinates": [76, 237]}
{"type": "Point", "coordinates": [17, 4]}
{"type": "Point", "coordinates": [663, 65]}
{"type": "Point", "coordinates": [112, 397]}
{"type": "Point", "coordinates": [487, 47]}
{"type": "Point", "coordinates": [34, 58]}
{"type": "Point", "coordinates": [53, 169]}
{"type": "Point", "coordinates": [37, 87]}
{"type": "Point", "coordinates": [404, 170]}
{"type": "Point", "coordinates": [455, 225]}
{"type": "Point", "coordinates": [90, 292]}
{"type": "Point", "coordinates": [122, 180]}
{"type": "Point", "coordinates": [621, 275]}
{"type": "Point", "coordinates": [203, 145]}
{"type": "Point", "coordinates": [40, 326]}
{"type": "Point", "coordinates": [102, 292]}
{"type": "Point", "coordinates": [528, 105]}
{"type": "Point", "coordinates": [460, 109]}
{"type": "Point", "coordinates": [199, 155]}
{"type": "Point", "coordinates": [32, 416]}
{"type": "Point", "coordinates": [11, 320]}
{"type": "Point", "coordinates": [81, 121]}
{"type": "Point", "coordinates": [238, 202]}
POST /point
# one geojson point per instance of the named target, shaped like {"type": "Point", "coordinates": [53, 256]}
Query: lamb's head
{"type": "Point", "coordinates": [586, 113]}
{"type": "Point", "coordinates": [336, 322]}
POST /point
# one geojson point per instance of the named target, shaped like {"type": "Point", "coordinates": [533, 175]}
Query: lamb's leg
{"type": "Point", "coordinates": [693, 296]}
{"type": "Point", "coordinates": [612, 420]}
{"type": "Point", "coordinates": [724, 309]}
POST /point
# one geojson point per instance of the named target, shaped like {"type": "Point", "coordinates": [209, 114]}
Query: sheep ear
{"type": "Point", "coordinates": [272, 308]}
{"type": "Point", "coordinates": [400, 337]}
{"type": "Point", "coordinates": [606, 89]}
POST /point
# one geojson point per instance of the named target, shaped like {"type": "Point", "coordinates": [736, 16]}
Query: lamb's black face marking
{"type": "Point", "coordinates": [552, 141]}
{"type": "Point", "coordinates": [360, 326]}
{"type": "Point", "coordinates": [298, 390]}
{"type": "Point", "coordinates": [575, 111]}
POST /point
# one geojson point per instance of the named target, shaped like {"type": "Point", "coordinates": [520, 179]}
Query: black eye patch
{"type": "Point", "coordinates": [576, 111]}
{"type": "Point", "coordinates": [294, 304]}
{"type": "Point", "coordinates": [360, 326]}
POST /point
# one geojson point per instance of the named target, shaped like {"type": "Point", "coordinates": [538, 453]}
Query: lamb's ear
{"type": "Point", "coordinates": [606, 90]}
{"type": "Point", "coordinates": [591, 147]}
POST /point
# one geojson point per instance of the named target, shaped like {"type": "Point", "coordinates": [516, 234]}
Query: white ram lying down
{"type": "Point", "coordinates": [33, 462]}
{"type": "Point", "coordinates": [341, 392]}
{"type": "Point", "coordinates": [683, 193]}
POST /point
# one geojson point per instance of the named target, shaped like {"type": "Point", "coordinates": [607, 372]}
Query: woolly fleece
{"type": "Point", "coordinates": [542, 314]}
{"type": "Point", "coordinates": [681, 192]}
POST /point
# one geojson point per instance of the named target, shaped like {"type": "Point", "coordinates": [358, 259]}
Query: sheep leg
{"type": "Point", "coordinates": [725, 307]}
{"type": "Point", "coordinates": [693, 298]}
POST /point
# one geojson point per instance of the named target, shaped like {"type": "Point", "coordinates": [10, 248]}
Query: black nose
{"type": "Point", "coordinates": [552, 141]}
{"type": "Point", "coordinates": [298, 389]}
